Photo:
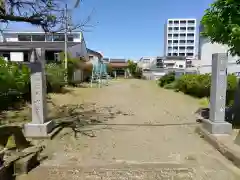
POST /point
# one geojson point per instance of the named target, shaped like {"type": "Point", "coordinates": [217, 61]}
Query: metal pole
{"type": "Point", "coordinates": [66, 38]}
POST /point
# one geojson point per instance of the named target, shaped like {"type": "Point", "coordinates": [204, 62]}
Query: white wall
{"type": "Point", "coordinates": [176, 63]}
{"type": "Point", "coordinates": [146, 62]}
{"type": "Point", "coordinates": [84, 48]}
{"type": "Point", "coordinates": [16, 56]}
{"type": "Point", "coordinates": [206, 49]}
{"type": "Point", "coordinates": [79, 50]}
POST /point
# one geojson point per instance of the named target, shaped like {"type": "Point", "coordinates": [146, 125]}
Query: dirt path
{"type": "Point", "coordinates": [150, 137]}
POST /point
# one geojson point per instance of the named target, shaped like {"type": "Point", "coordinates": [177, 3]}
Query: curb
{"type": "Point", "coordinates": [227, 152]}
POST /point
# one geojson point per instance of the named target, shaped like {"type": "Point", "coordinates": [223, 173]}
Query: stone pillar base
{"type": "Point", "coordinates": [38, 130]}
{"type": "Point", "coordinates": [218, 128]}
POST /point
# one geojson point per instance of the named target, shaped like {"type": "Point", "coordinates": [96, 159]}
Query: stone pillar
{"type": "Point", "coordinates": [217, 123]}
{"type": "Point", "coordinates": [39, 127]}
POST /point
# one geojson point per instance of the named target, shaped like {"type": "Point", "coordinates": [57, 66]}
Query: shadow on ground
{"type": "Point", "coordinates": [78, 117]}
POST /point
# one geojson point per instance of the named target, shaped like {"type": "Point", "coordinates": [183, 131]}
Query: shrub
{"type": "Point", "coordinates": [14, 83]}
{"type": "Point", "coordinates": [194, 84]}
{"type": "Point", "coordinates": [166, 79]}
{"type": "Point", "coordinates": [199, 85]}
{"type": "Point", "coordinates": [172, 85]}
{"type": "Point", "coordinates": [73, 64]}
{"type": "Point", "coordinates": [55, 77]}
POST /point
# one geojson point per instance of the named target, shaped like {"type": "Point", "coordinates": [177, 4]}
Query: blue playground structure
{"type": "Point", "coordinates": [99, 74]}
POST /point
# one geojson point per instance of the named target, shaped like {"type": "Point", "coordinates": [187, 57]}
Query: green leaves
{"type": "Point", "coordinates": [199, 85]}
{"type": "Point", "coordinates": [221, 24]}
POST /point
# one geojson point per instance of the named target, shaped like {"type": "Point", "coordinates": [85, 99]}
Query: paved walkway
{"type": "Point", "coordinates": [151, 137]}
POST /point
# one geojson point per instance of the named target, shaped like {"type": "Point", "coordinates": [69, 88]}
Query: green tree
{"type": "Point", "coordinates": [132, 67]}
{"type": "Point", "coordinates": [134, 70]}
{"type": "Point", "coordinates": [221, 24]}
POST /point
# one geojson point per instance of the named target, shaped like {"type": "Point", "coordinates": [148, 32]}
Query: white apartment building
{"type": "Point", "coordinates": [180, 38]}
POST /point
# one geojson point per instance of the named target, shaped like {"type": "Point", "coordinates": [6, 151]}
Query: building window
{"type": "Point", "coordinates": [76, 36]}
{"type": "Point", "coordinates": [190, 35]}
{"type": "Point", "coordinates": [5, 55]}
{"type": "Point", "coordinates": [146, 60]}
{"type": "Point", "coordinates": [181, 54]}
{"type": "Point", "coordinates": [191, 28]}
{"type": "Point", "coordinates": [56, 57]}
{"type": "Point", "coordinates": [38, 37]}
{"type": "Point", "coordinates": [175, 47]}
{"type": "Point", "coordinates": [190, 41]}
{"type": "Point", "coordinates": [181, 66]}
{"type": "Point", "coordinates": [182, 41]}
{"type": "Point", "coordinates": [159, 63]}
{"type": "Point", "coordinates": [169, 54]}
{"type": "Point", "coordinates": [176, 22]}
{"type": "Point", "coordinates": [170, 22]}
{"type": "Point", "coordinates": [58, 37]}
{"type": "Point", "coordinates": [175, 54]}
{"type": "Point", "coordinates": [24, 37]}
{"type": "Point", "coordinates": [169, 35]}
{"type": "Point", "coordinates": [182, 35]}
{"type": "Point", "coordinates": [49, 37]}
{"type": "Point", "coordinates": [176, 28]}
{"type": "Point", "coordinates": [175, 41]}
{"type": "Point", "coordinates": [183, 28]}
{"type": "Point", "coordinates": [182, 47]}
{"type": "Point", "coordinates": [175, 35]}
{"type": "Point", "coordinates": [26, 57]}
{"type": "Point", "coordinates": [190, 47]}
{"type": "Point", "coordinates": [170, 28]}
{"type": "Point", "coordinates": [189, 54]}
{"type": "Point", "coordinates": [70, 38]}
{"type": "Point", "coordinates": [191, 21]}
{"type": "Point", "coordinates": [169, 41]}
{"type": "Point", "coordinates": [90, 58]}
{"type": "Point", "coordinates": [183, 22]}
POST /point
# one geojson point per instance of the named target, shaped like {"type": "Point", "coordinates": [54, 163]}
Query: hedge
{"type": "Point", "coordinates": [166, 79]}
{"type": "Point", "coordinates": [198, 85]}
{"type": "Point", "coordinates": [15, 82]}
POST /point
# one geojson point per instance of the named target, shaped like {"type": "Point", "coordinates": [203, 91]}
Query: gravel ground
{"type": "Point", "coordinates": [141, 124]}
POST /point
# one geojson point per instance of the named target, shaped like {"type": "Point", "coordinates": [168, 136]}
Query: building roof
{"type": "Point", "coordinates": [118, 65]}
{"type": "Point", "coordinates": [117, 60]}
{"type": "Point", "coordinates": [37, 32]}
{"type": "Point", "coordinates": [90, 51]}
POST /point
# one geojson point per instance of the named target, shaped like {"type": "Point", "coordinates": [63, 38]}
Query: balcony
{"type": "Point", "coordinates": [182, 44]}
{"type": "Point", "coordinates": [182, 31]}
{"type": "Point", "coordinates": [181, 50]}
{"type": "Point", "coordinates": [191, 24]}
{"type": "Point", "coordinates": [190, 38]}
{"type": "Point", "coordinates": [175, 31]}
{"type": "Point", "coordinates": [190, 51]}
{"type": "Point", "coordinates": [183, 25]}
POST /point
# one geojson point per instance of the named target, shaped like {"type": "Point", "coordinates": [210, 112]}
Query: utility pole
{"type": "Point", "coordinates": [66, 40]}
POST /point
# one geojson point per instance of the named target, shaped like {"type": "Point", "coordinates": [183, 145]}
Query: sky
{"type": "Point", "coordinates": [131, 28]}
